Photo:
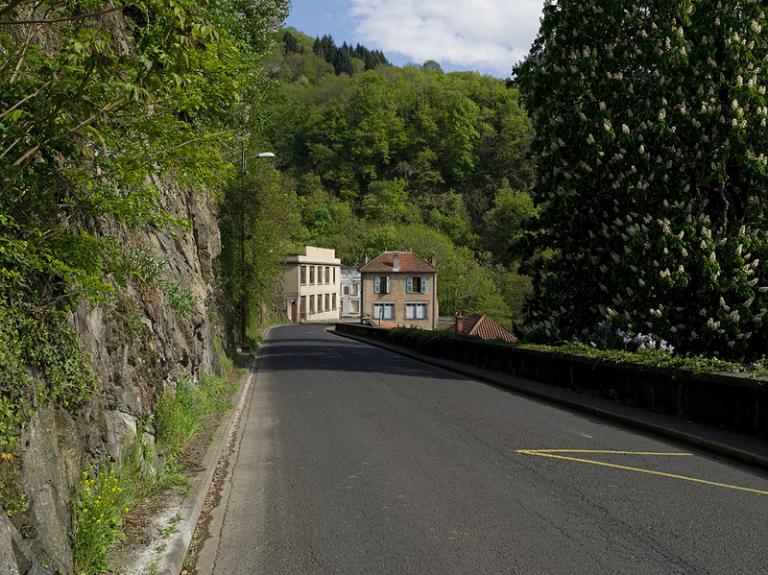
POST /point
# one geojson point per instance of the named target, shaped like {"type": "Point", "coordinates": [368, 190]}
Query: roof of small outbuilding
{"type": "Point", "coordinates": [484, 327]}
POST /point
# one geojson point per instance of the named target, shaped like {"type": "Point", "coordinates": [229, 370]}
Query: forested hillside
{"type": "Point", "coordinates": [406, 158]}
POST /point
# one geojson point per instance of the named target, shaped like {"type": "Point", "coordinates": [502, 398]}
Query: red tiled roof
{"type": "Point", "coordinates": [484, 327]}
{"type": "Point", "coordinates": [409, 263]}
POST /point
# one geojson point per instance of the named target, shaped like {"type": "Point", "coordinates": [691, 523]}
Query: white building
{"type": "Point", "coordinates": [350, 292]}
{"type": "Point", "coordinates": [312, 285]}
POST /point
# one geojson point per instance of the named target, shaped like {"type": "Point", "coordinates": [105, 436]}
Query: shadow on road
{"type": "Point", "coordinates": [311, 348]}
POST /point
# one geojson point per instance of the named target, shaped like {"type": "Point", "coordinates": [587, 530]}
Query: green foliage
{"type": "Point", "coordinates": [98, 515]}
{"type": "Point", "coordinates": [41, 362]}
{"type": "Point", "coordinates": [387, 202]}
{"type": "Point", "coordinates": [505, 224]}
{"type": "Point", "coordinates": [88, 131]}
{"type": "Point", "coordinates": [345, 59]}
{"type": "Point", "coordinates": [180, 298]}
{"type": "Point", "coordinates": [153, 272]}
{"type": "Point", "coordinates": [653, 175]}
{"type": "Point", "coordinates": [696, 364]}
{"type": "Point", "coordinates": [182, 413]}
{"type": "Point", "coordinates": [258, 220]}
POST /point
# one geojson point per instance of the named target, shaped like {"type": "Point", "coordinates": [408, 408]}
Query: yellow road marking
{"type": "Point", "coordinates": [548, 453]}
{"type": "Point", "coordinates": [603, 451]}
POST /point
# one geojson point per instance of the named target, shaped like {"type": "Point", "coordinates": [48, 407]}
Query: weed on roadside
{"type": "Point", "coordinates": [98, 518]}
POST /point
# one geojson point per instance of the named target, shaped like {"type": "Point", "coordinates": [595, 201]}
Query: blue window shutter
{"type": "Point", "coordinates": [424, 283]}
{"type": "Point", "coordinates": [409, 284]}
{"type": "Point", "coordinates": [377, 284]}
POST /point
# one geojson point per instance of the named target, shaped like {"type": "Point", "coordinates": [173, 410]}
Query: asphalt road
{"type": "Point", "coordinates": [354, 460]}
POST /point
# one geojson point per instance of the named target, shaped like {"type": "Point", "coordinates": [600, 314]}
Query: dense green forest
{"type": "Point", "coordinates": [403, 158]}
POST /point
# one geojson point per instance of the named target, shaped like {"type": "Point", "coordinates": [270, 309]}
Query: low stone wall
{"type": "Point", "coordinates": [724, 400]}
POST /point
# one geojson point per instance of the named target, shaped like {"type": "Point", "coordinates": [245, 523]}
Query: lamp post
{"type": "Point", "coordinates": [243, 302]}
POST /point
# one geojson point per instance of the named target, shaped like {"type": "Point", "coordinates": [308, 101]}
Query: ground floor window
{"type": "Point", "coordinates": [354, 306]}
{"type": "Point", "coordinates": [312, 304]}
{"type": "Point", "coordinates": [383, 311]}
{"type": "Point", "coordinates": [415, 311]}
{"type": "Point", "coordinates": [333, 301]}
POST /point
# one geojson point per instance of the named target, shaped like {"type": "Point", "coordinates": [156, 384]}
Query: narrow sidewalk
{"type": "Point", "coordinates": [741, 448]}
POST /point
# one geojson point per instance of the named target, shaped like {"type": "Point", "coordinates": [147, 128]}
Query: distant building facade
{"type": "Point", "coordinates": [400, 288]}
{"type": "Point", "coordinates": [312, 285]}
{"type": "Point", "coordinates": [351, 291]}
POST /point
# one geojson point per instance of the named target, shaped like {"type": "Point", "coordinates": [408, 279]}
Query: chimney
{"type": "Point", "coordinates": [366, 260]}
{"type": "Point", "coordinates": [459, 326]}
{"type": "Point", "coordinates": [433, 259]}
{"type": "Point", "coordinates": [396, 262]}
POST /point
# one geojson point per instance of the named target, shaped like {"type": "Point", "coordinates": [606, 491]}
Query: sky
{"type": "Point", "coordinates": [489, 36]}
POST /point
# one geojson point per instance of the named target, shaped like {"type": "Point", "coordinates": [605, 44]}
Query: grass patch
{"type": "Point", "coordinates": [182, 413]}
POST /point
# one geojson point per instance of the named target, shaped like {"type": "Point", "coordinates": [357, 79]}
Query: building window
{"type": "Point", "coordinates": [416, 284]}
{"type": "Point", "coordinates": [327, 275]}
{"type": "Point", "coordinates": [311, 275]}
{"type": "Point", "coordinates": [311, 303]}
{"type": "Point", "coordinates": [304, 306]}
{"type": "Point", "coordinates": [334, 276]}
{"type": "Point", "coordinates": [415, 311]}
{"type": "Point", "coordinates": [355, 305]}
{"type": "Point", "coordinates": [346, 290]}
{"type": "Point", "coordinates": [333, 301]}
{"type": "Point", "coordinates": [327, 302]}
{"type": "Point", "coordinates": [383, 311]}
{"type": "Point", "coordinates": [381, 284]}
{"type": "Point", "coordinates": [355, 289]}
{"type": "Point", "coordinates": [303, 274]}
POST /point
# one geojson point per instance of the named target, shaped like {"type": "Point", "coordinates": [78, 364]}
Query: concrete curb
{"type": "Point", "coordinates": [171, 559]}
{"type": "Point", "coordinates": [564, 398]}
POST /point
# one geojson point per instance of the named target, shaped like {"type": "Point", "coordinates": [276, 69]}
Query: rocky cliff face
{"type": "Point", "coordinates": [138, 345]}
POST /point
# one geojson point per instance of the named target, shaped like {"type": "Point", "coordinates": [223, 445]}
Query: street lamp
{"type": "Point", "coordinates": [243, 303]}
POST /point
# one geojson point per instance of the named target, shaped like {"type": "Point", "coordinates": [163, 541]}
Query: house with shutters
{"type": "Point", "coordinates": [400, 288]}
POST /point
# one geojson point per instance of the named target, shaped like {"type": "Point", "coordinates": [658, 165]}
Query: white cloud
{"type": "Point", "coordinates": [490, 35]}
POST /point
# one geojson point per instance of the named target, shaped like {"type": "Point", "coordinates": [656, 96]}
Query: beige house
{"type": "Point", "coordinates": [400, 288]}
{"type": "Point", "coordinates": [312, 285]}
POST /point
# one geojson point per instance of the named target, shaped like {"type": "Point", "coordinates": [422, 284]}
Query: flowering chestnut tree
{"type": "Point", "coordinates": [652, 152]}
